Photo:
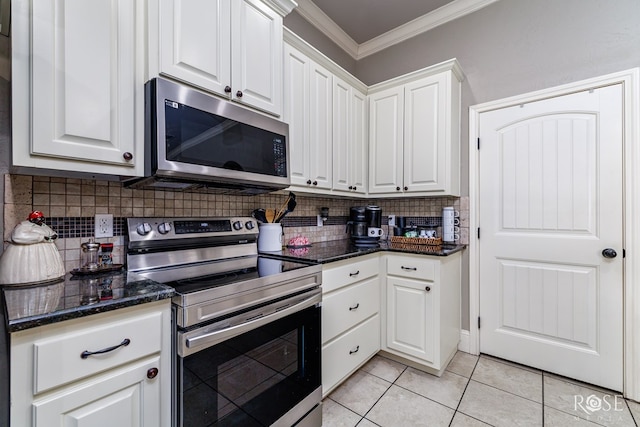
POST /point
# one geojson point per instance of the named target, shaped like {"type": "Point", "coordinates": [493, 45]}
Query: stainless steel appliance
{"type": "Point", "coordinates": [247, 327]}
{"type": "Point", "coordinates": [193, 139]}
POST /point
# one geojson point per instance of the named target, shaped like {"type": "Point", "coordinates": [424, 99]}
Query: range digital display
{"type": "Point", "coordinates": [202, 226]}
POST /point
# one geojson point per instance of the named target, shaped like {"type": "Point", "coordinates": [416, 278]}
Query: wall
{"type": "Point", "coordinates": [70, 205]}
{"type": "Point", "coordinates": [296, 23]}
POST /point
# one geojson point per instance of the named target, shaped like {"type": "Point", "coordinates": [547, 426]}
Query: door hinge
{"type": "Point", "coordinates": [478, 322]}
{"type": "Point", "coordinates": [478, 143]}
{"type": "Point", "coordinates": [478, 232]}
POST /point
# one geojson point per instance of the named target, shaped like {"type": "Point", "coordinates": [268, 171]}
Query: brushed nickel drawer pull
{"type": "Point", "coordinates": [355, 307]}
{"type": "Point", "coordinates": [87, 353]}
{"type": "Point", "coordinates": [354, 274]}
{"type": "Point", "coordinates": [409, 268]}
{"type": "Point", "coordinates": [354, 351]}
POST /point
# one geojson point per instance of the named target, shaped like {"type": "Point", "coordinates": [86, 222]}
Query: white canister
{"type": "Point", "coordinates": [270, 237]}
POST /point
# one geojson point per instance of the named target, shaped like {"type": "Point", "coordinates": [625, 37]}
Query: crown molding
{"type": "Point", "coordinates": [326, 25]}
{"type": "Point", "coordinates": [283, 7]}
{"type": "Point", "coordinates": [422, 24]}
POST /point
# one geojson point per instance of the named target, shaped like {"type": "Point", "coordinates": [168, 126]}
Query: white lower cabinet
{"type": "Point", "coordinates": [55, 382]}
{"type": "Point", "coordinates": [422, 310]}
{"type": "Point", "coordinates": [406, 305]}
{"type": "Point", "coordinates": [341, 357]}
{"type": "Point", "coordinates": [123, 398]}
{"type": "Point", "coordinates": [350, 319]}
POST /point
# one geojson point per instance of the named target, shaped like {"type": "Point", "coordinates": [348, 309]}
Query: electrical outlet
{"type": "Point", "coordinates": [319, 221]}
{"type": "Point", "coordinates": [392, 220]}
{"type": "Point", "coordinates": [104, 225]}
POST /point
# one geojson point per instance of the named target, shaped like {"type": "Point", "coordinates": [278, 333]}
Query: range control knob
{"type": "Point", "coordinates": [164, 228]}
{"type": "Point", "coordinates": [143, 229]}
{"type": "Point", "coordinates": [249, 225]}
{"type": "Point", "coordinates": [237, 225]}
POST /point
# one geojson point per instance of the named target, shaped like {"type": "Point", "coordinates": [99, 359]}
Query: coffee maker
{"type": "Point", "coordinates": [364, 225]}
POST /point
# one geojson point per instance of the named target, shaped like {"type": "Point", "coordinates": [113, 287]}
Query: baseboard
{"type": "Point", "coordinates": [463, 345]}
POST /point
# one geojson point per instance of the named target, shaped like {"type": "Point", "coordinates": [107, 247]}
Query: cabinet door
{"type": "Point", "coordinates": [78, 85]}
{"type": "Point", "coordinates": [385, 141]}
{"type": "Point", "coordinates": [123, 398]}
{"type": "Point", "coordinates": [411, 326]}
{"type": "Point", "coordinates": [256, 55]}
{"type": "Point", "coordinates": [195, 42]}
{"type": "Point", "coordinates": [358, 163]}
{"type": "Point", "coordinates": [320, 118]}
{"type": "Point", "coordinates": [425, 134]}
{"type": "Point", "coordinates": [341, 135]}
{"type": "Point", "coordinates": [296, 113]}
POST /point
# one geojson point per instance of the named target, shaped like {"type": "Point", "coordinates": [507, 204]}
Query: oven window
{"type": "Point", "coordinates": [202, 138]}
{"type": "Point", "coordinates": [254, 378]}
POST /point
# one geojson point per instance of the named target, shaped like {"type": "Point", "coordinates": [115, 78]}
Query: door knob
{"type": "Point", "coordinates": [609, 253]}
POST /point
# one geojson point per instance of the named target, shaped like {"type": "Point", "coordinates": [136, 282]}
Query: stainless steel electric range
{"type": "Point", "coordinates": [247, 327]}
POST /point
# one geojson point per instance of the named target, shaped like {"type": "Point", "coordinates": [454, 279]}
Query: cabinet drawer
{"type": "Point", "coordinates": [351, 272]}
{"type": "Point", "coordinates": [57, 360]}
{"type": "Point", "coordinates": [346, 307]}
{"type": "Point", "coordinates": [349, 351]}
{"type": "Point", "coordinates": [414, 268]}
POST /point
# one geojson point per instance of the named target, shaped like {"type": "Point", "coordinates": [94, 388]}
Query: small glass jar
{"type": "Point", "coordinates": [89, 260]}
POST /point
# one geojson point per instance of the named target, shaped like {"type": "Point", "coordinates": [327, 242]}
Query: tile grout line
{"type": "Point", "coordinates": [631, 412]}
{"type": "Point", "coordinates": [543, 405]}
{"type": "Point", "coordinates": [382, 395]}
{"type": "Point", "coordinates": [463, 392]}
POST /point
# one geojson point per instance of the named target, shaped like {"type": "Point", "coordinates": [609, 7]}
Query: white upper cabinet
{"type": "Point", "coordinates": [308, 110]}
{"type": "Point", "coordinates": [349, 138]}
{"type": "Point", "coordinates": [415, 133]}
{"type": "Point", "coordinates": [78, 85]}
{"type": "Point", "coordinates": [185, 27]}
{"type": "Point", "coordinates": [230, 47]}
{"type": "Point", "coordinates": [386, 110]}
{"type": "Point", "coordinates": [327, 113]}
{"type": "Point", "coordinates": [320, 118]}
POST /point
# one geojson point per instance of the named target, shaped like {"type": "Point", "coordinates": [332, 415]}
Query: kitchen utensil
{"type": "Point", "coordinates": [260, 215]}
{"type": "Point", "coordinates": [270, 214]}
{"type": "Point", "coordinates": [290, 206]}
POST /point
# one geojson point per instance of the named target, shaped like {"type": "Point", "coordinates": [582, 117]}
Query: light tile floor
{"type": "Point", "coordinates": [473, 391]}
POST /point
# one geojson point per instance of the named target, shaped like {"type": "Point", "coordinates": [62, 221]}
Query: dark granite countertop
{"type": "Point", "coordinates": [78, 296]}
{"type": "Point", "coordinates": [336, 250]}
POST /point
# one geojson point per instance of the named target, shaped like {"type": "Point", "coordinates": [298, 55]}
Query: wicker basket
{"type": "Point", "coordinates": [417, 244]}
{"type": "Point", "coordinates": [420, 241]}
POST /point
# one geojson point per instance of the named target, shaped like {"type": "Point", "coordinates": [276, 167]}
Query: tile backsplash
{"type": "Point", "coordinates": [71, 204]}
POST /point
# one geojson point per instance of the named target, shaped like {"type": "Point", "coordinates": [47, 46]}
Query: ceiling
{"type": "Point", "coordinates": [364, 27]}
{"type": "Point", "coordinates": [363, 20]}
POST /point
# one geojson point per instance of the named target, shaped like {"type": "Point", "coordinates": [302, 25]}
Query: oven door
{"type": "Point", "coordinates": [258, 368]}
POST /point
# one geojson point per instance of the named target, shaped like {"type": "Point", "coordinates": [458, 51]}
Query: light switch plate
{"type": "Point", "coordinates": [103, 225]}
{"type": "Point", "coordinates": [319, 221]}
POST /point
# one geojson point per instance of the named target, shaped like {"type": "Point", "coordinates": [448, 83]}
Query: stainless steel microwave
{"type": "Point", "coordinates": [193, 139]}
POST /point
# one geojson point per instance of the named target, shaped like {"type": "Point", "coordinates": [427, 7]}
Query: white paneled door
{"type": "Point", "coordinates": [550, 216]}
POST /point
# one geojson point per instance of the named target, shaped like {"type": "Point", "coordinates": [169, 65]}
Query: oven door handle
{"type": "Point", "coordinates": [212, 338]}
